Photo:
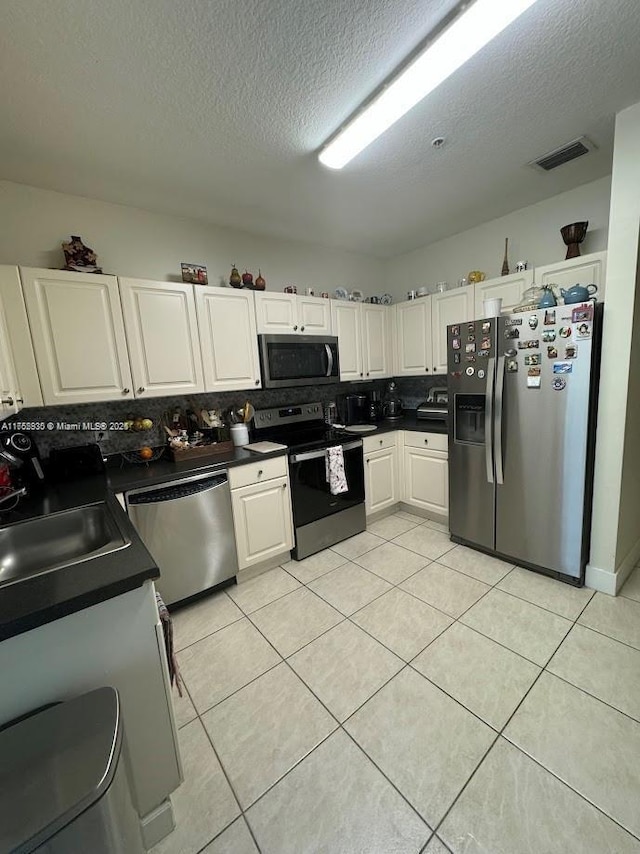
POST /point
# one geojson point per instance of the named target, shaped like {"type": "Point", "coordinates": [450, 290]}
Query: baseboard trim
{"type": "Point", "coordinates": [600, 579]}
{"type": "Point", "coordinates": [626, 567]}
{"type": "Point", "coordinates": [157, 824]}
{"type": "Point", "coordinates": [611, 582]}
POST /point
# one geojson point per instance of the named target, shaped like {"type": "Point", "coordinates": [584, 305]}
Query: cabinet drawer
{"type": "Point", "coordinates": [429, 441]}
{"type": "Point", "coordinates": [257, 472]}
{"type": "Point", "coordinates": [377, 442]}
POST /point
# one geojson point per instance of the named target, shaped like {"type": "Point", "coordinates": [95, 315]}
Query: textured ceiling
{"type": "Point", "coordinates": [215, 109]}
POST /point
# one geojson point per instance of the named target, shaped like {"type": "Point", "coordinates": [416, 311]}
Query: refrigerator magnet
{"type": "Point", "coordinates": [511, 333]}
{"type": "Point", "coordinates": [470, 371]}
{"type": "Point", "coordinates": [471, 328]}
{"type": "Point", "coordinates": [533, 372]}
{"type": "Point", "coordinates": [571, 351]}
{"type": "Point", "coordinates": [471, 337]}
{"type": "Point", "coordinates": [534, 382]}
{"type": "Point", "coordinates": [513, 321]}
{"type": "Point", "coordinates": [470, 348]}
{"type": "Point", "coordinates": [512, 366]}
{"type": "Point", "coordinates": [583, 330]}
{"type": "Point", "coordinates": [486, 344]}
{"type": "Point", "coordinates": [548, 335]}
{"type": "Point", "coordinates": [533, 321]}
{"type": "Point", "coordinates": [565, 332]}
{"type": "Point", "coordinates": [481, 374]}
{"type": "Point", "coordinates": [486, 327]}
{"type": "Point", "coordinates": [534, 344]}
{"type": "Point", "coordinates": [455, 343]}
{"type": "Point", "coordinates": [456, 358]}
{"type": "Point", "coordinates": [562, 368]}
{"type": "Point", "coordinates": [511, 353]}
{"type": "Point", "coordinates": [533, 359]}
{"type": "Point", "coordinates": [550, 317]}
{"type": "Point", "coordinates": [455, 330]}
{"type": "Point", "coordinates": [552, 352]}
{"type": "Point", "coordinates": [471, 358]}
{"type": "Point", "coordinates": [582, 313]}
{"type": "Point", "coordinates": [558, 383]}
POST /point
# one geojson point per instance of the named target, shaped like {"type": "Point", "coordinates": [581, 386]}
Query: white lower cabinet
{"type": "Point", "coordinates": [120, 643]}
{"type": "Point", "coordinates": [426, 471]}
{"type": "Point", "coordinates": [261, 506]}
{"type": "Point", "coordinates": [381, 472]}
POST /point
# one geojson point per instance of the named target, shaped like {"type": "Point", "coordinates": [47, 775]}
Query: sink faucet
{"type": "Point", "coordinates": [13, 493]}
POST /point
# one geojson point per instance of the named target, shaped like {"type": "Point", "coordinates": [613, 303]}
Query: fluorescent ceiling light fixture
{"type": "Point", "coordinates": [469, 33]}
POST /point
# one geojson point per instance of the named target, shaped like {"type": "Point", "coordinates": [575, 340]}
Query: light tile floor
{"type": "Point", "coordinates": [398, 693]}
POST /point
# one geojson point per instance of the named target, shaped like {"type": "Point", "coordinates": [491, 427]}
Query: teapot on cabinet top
{"type": "Point", "coordinates": [578, 293]}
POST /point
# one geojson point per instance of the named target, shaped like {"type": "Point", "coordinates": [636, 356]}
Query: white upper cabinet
{"type": "Point", "coordinates": [314, 315]}
{"type": "Point", "coordinates": [455, 306]}
{"type": "Point", "coordinates": [276, 314]}
{"type": "Point", "coordinates": [376, 341]}
{"type": "Point", "coordinates": [584, 270]}
{"type": "Point", "coordinates": [78, 335]}
{"type": "Point", "coordinates": [345, 320]}
{"type": "Point", "coordinates": [228, 339]}
{"type": "Point", "coordinates": [288, 314]}
{"type": "Point", "coordinates": [413, 337]}
{"type": "Point", "coordinates": [507, 288]}
{"type": "Point", "coordinates": [162, 333]}
{"type": "Point", "coordinates": [19, 384]}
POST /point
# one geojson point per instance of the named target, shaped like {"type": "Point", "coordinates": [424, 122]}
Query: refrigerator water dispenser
{"type": "Point", "coordinates": [469, 418]}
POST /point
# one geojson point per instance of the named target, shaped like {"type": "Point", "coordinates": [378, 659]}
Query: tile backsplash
{"type": "Point", "coordinates": [412, 391]}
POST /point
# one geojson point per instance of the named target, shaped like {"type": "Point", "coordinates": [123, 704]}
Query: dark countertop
{"type": "Point", "coordinates": [40, 599]}
{"type": "Point", "coordinates": [124, 476]}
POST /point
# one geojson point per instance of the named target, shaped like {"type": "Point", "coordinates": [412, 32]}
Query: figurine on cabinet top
{"type": "Point", "coordinates": [78, 257]}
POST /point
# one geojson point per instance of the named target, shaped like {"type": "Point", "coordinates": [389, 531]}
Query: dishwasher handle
{"type": "Point", "coordinates": [174, 492]}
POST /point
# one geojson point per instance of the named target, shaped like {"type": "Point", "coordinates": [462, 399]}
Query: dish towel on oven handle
{"type": "Point", "coordinates": [334, 469]}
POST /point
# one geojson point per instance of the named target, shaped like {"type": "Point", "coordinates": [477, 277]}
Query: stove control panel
{"type": "Point", "coordinates": [280, 416]}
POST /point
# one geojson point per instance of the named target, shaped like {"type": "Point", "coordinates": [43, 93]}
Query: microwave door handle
{"type": "Point", "coordinates": [498, 421]}
{"type": "Point", "coordinates": [329, 359]}
{"type": "Point", "coordinates": [488, 420]}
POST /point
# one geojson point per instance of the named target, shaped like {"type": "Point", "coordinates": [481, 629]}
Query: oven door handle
{"type": "Point", "coordinates": [315, 455]}
{"type": "Point", "coordinates": [329, 359]}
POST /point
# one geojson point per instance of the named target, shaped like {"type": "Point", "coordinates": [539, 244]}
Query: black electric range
{"type": "Point", "coordinates": [320, 518]}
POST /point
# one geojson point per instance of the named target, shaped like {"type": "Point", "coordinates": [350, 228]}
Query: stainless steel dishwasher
{"type": "Point", "coordinates": [187, 525]}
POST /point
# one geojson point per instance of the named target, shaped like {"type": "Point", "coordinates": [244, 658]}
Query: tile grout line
{"type": "Point", "coordinates": [340, 725]}
{"type": "Point", "coordinates": [508, 721]}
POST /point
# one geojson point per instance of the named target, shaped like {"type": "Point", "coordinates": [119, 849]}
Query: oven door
{"type": "Point", "coordinates": [310, 496]}
{"type": "Point", "coordinates": [291, 360]}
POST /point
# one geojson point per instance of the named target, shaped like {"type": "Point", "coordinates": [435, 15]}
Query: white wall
{"type": "Point", "coordinates": [533, 232]}
{"type": "Point", "coordinates": [615, 533]}
{"type": "Point", "coordinates": [134, 242]}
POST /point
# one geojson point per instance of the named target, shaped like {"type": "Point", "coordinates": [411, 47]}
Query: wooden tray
{"type": "Point", "coordinates": [200, 451]}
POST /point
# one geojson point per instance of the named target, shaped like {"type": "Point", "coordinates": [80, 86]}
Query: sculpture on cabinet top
{"type": "Point", "coordinates": [78, 257]}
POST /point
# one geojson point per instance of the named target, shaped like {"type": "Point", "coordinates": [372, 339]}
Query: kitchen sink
{"type": "Point", "coordinates": [57, 540]}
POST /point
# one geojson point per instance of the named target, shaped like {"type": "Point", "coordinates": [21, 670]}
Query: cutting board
{"type": "Point", "coordinates": [265, 447]}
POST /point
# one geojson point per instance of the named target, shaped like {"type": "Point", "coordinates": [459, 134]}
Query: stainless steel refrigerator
{"type": "Point", "coordinates": [522, 409]}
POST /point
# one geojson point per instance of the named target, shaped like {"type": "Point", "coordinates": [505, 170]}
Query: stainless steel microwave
{"type": "Point", "coordinates": [290, 360]}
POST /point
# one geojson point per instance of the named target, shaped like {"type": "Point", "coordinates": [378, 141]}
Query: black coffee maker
{"type": "Point", "coordinates": [374, 407]}
{"type": "Point", "coordinates": [18, 450]}
{"type": "Point", "coordinates": [353, 408]}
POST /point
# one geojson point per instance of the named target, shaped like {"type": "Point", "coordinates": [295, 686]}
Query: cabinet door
{"type": "Point", "coordinates": [345, 318]}
{"type": "Point", "coordinates": [262, 521]}
{"type": "Point", "coordinates": [276, 314]}
{"type": "Point", "coordinates": [507, 288]}
{"type": "Point", "coordinates": [78, 336]}
{"type": "Point", "coordinates": [381, 478]}
{"type": "Point", "coordinates": [162, 333]}
{"type": "Point", "coordinates": [426, 482]}
{"type": "Point", "coordinates": [19, 383]}
{"type": "Point", "coordinates": [227, 326]}
{"type": "Point", "coordinates": [449, 307]}
{"type": "Point", "coordinates": [585, 270]}
{"type": "Point", "coordinates": [314, 315]}
{"type": "Point", "coordinates": [413, 337]}
{"type": "Point", "coordinates": [376, 350]}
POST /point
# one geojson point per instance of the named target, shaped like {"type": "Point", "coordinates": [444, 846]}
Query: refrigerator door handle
{"type": "Point", "coordinates": [498, 421]}
{"type": "Point", "coordinates": [488, 418]}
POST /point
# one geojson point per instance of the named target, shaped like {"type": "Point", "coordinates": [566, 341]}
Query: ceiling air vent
{"type": "Point", "coordinates": [573, 149]}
